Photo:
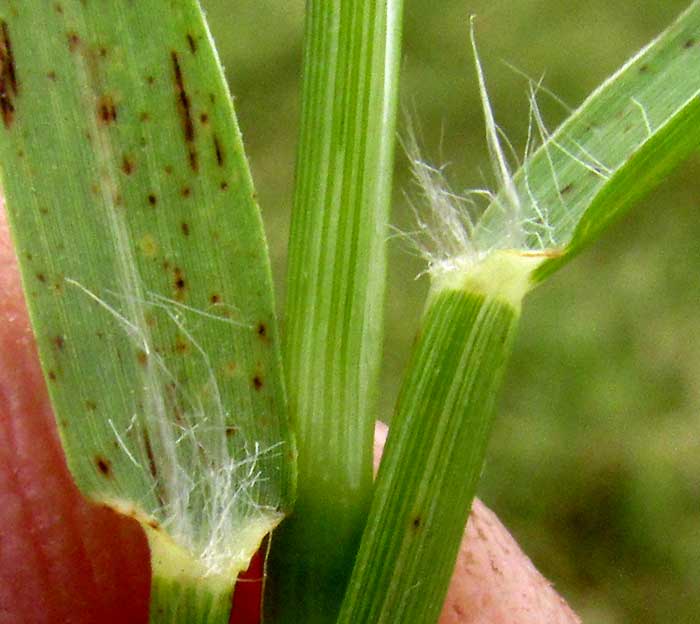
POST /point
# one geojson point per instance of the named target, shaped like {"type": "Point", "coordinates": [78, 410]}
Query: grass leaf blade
{"type": "Point", "coordinates": [336, 291]}
{"type": "Point", "coordinates": [616, 147]}
{"type": "Point", "coordinates": [432, 461]}
{"type": "Point", "coordinates": [146, 273]}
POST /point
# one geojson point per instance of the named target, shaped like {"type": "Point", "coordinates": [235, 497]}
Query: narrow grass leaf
{"type": "Point", "coordinates": [336, 291]}
{"type": "Point", "coordinates": [614, 149]}
{"type": "Point", "coordinates": [432, 461]}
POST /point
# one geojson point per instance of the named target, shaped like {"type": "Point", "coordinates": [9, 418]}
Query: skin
{"type": "Point", "coordinates": [64, 560]}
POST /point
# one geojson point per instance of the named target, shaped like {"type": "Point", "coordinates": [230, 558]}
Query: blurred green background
{"type": "Point", "coordinates": [595, 459]}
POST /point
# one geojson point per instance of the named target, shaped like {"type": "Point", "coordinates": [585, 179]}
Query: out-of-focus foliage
{"type": "Point", "coordinates": [595, 459]}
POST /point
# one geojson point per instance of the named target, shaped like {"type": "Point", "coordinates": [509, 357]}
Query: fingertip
{"type": "Point", "coordinates": [493, 581]}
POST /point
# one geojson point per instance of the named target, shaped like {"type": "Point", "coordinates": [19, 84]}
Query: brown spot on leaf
{"type": "Point", "coordinates": [224, 185]}
{"type": "Point", "coordinates": [142, 357]}
{"type": "Point", "coordinates": [257, 382]}
{"type": "Point", "coordinates": [127, 165]}
{"type": "Point", "coordinates": [9, 87]}
{"type": "Point", "coordinates": [179, 283]}
{"type": "Point", "coordinates": [184, 108]}
{"type": "Point", "coordinates": [218, 151]}
{"type": "Point", "coordinates": [151, 457]}
{"type": "Point", "coordinates": [41, 277]}
{"type": "Point", "coordinates": [154, 524]}
{"type": "Point", "coordinates": [186, 191]}
{"type": "Point", "coordinates": [230, 368]}
{"type": "Point", "coordinates": [73, 41]}
{"type": "Point", "coordinates": [215, 298]}
{"type": "Point", "coordinates": [104, 466]}
{"type": "Point", "coordinates": [152, 199]}
{"type": "Point", "coordinates": [51, 375]}
{"type": "Point", "coordinates": [106, 109]}
{"type": "Point", "coordinates": [192, 43]}
{"type": "Point", "coordinates": [567, 189]}
{"type": "Point", "coordinates": [51, 75]}
{"type": "Point", "coordinates": [185, 227]}
{"type": "Point", "coordinates": [59, 342]}
{"type": "Point", "coordinates": [144, 117]}
{"type": "Point", "coordinates": [417, 522]}
{"type": "Point", "coordinates": [58, 8]}
{"type": "Point", "coordinates": [231, 430]}
{"type": "Point", "coordinates": [689, 43]}
{"type": "Point", "coordinates": [181, 346]}
{"type": "Point", "coordinates": [262, 330]}
{"type": "Point", "coordinates": [91, 405]}
{"type": "Point", "coordinates": [150, 80]}
{"type": "Point", "coordinates": [644, 69]}
{"type": "Point", "coordinates": [152, 466]}
{"type": "Point", "coordinates": [204, 118]}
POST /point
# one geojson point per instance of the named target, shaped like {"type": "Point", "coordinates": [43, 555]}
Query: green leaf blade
{"type": "Point", "coordinates": [433, 460]}
{"type": "Point", "coordinates": [626, 124]}
{"type": "Point", "coordinates": [145, 268]}
{"type": "Point", "coordinates": [336, 283]}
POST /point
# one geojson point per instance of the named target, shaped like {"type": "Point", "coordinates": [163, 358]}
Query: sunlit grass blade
{"type": "Point", "coordinates": [146, 274]}
{"type": "Point", "coordinates": [336, 291]}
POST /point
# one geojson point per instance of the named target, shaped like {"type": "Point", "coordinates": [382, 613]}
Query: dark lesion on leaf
{"type": "Point", "coordinates": [192, 43]}
{"type": "Point", "coordinates": [104, 466]}
{"type": "Point", "coordinates": [218, 151]}
{"type": "Point", "coordinates": [184, 107]}
{"type": "Point", "coordinates": [9, 86]}
{"type": "Point", "coordinates": [127, 165]}
{"type": "Point", "coordinates": [152, 467]}
{"type": "Point", "coordinates": [149, 454]}
{"type": "Point", "coordinates": [73, 41]}
{"type": "Point", "coordinates": [106, 110]}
